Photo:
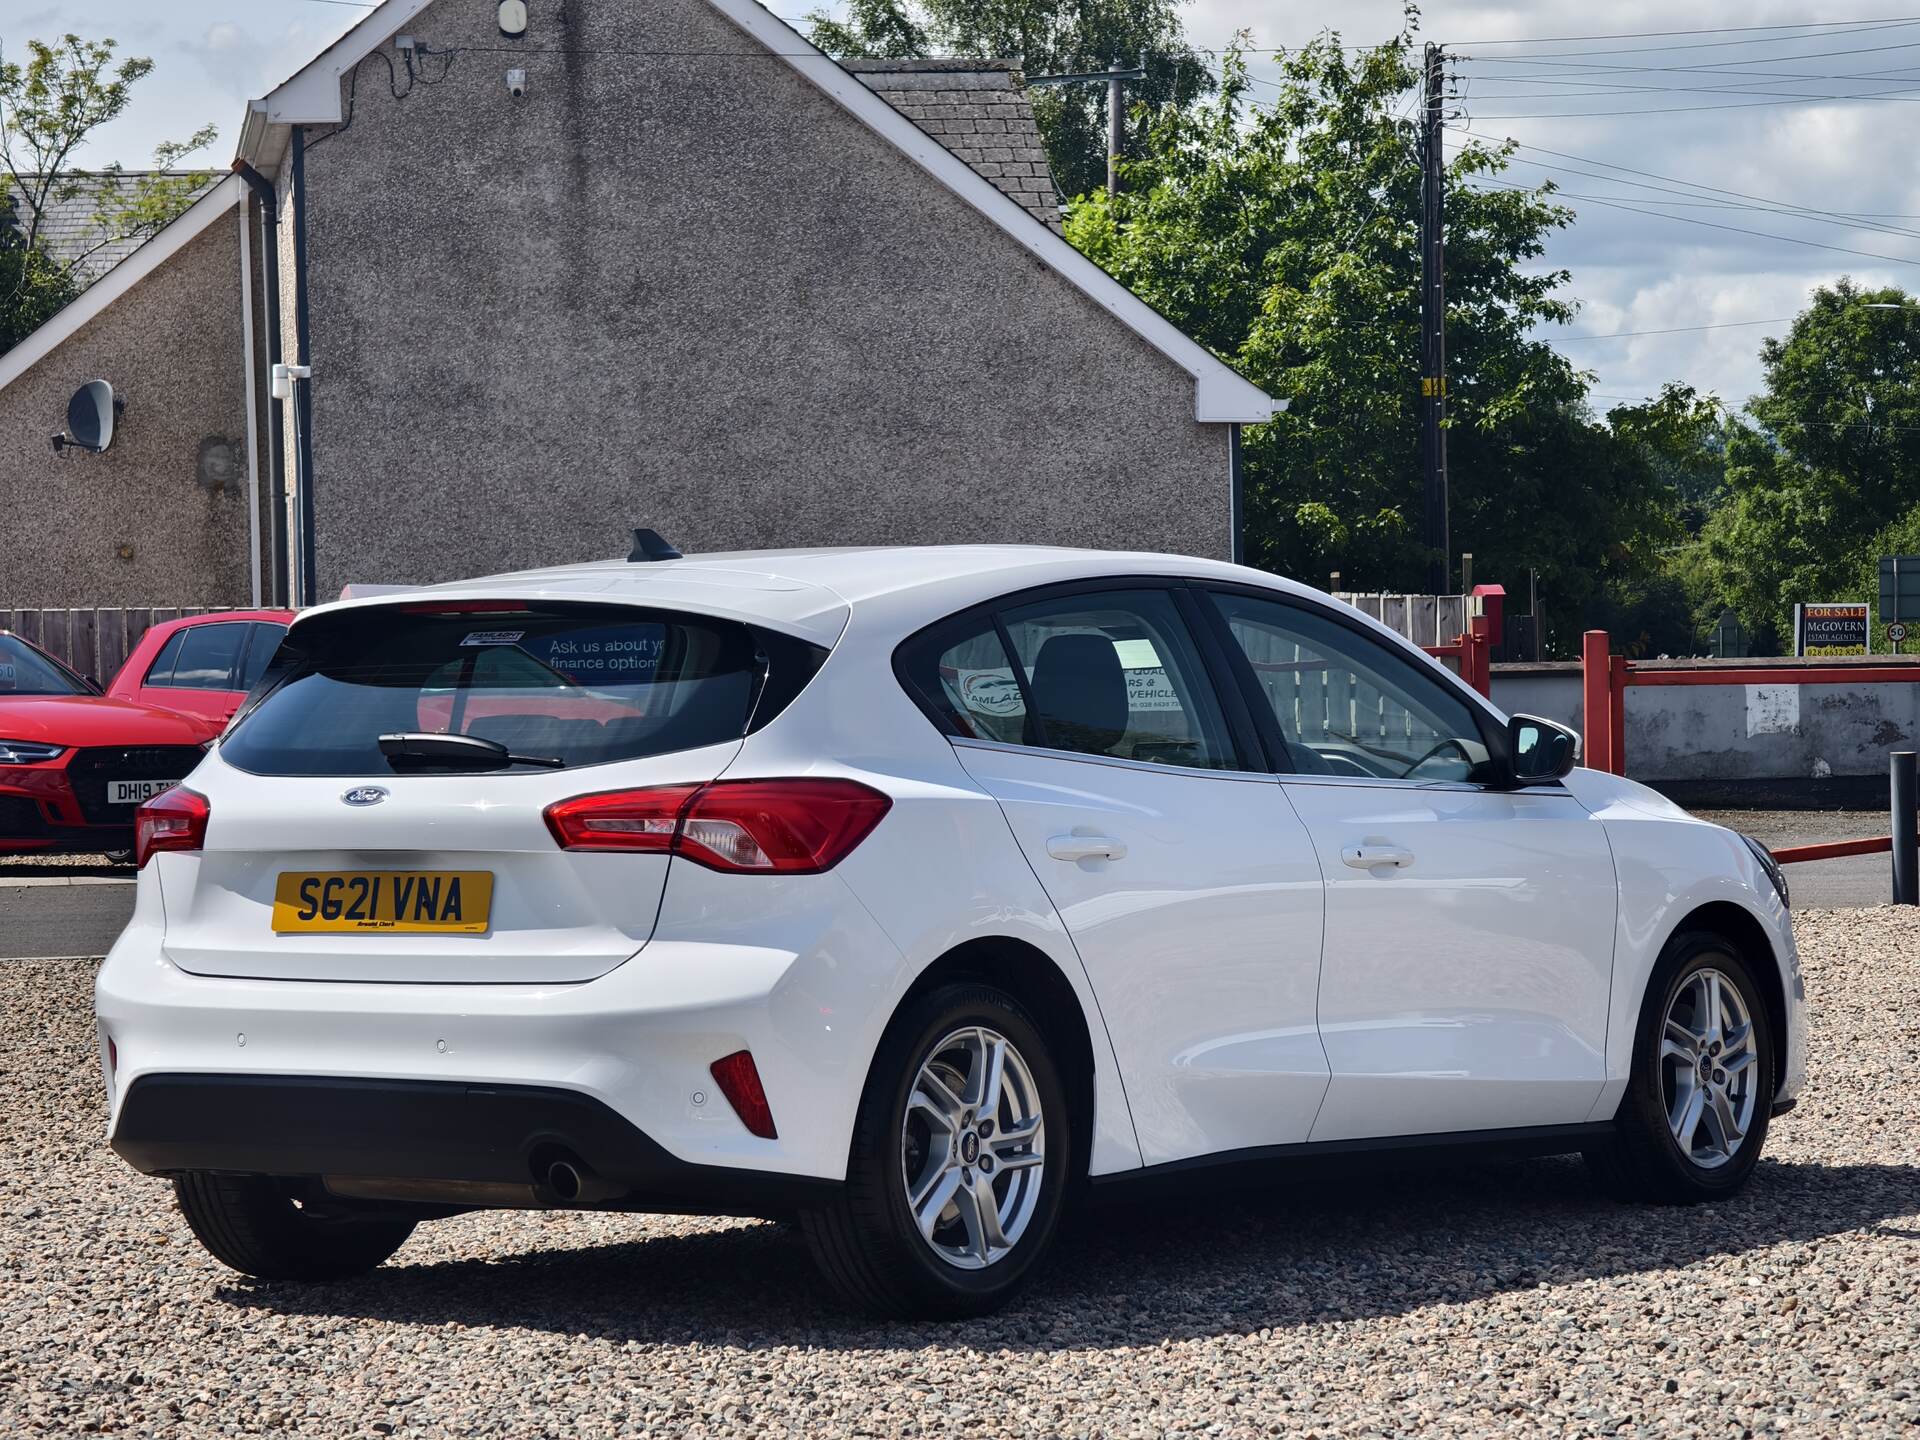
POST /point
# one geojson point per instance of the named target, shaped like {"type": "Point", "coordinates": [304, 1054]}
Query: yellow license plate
{"type": "Point", "coordinates": [375, 902]}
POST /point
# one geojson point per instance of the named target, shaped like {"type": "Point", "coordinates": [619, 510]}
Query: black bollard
{"type": "Point", "coordinates": [1906, 880]}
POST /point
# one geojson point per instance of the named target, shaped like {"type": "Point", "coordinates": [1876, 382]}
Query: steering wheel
{"type": "Point", "coordinates": [1442, 745]}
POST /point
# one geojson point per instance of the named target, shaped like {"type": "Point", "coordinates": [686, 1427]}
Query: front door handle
{"type": "Point", "coordinates": [1085, 847]}
{"type": "Point", "coordinates": [1367, 857]}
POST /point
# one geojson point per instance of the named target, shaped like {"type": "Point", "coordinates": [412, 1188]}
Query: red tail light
{"type": "Point", "coordinates": [174, 819]}
{"type": "Point", "coordinates": [739, 1080]}
{"type": "Point", "coordinates": [630, 820]}
{"type": "Point", "coordinates": [764, 827]}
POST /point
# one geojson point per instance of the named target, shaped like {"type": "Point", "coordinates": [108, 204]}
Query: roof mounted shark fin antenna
{"type": "Point", "coordinates": [647, 545]}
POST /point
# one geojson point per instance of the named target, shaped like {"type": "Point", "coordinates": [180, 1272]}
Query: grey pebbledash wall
{"type": "Point", "coordinates": [689, 291]}
{"type": "Point", "coordinates": [161, 517]}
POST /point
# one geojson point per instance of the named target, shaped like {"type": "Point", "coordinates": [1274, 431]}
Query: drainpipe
{"type": "Point", "coordinates": [276, 425]}
{"type": "Point", "coordinates": [253, 409]}
{"type": "Point", "coordinates": [303, 386]}
{"type": "Point", "coordinates": [1237, 493]}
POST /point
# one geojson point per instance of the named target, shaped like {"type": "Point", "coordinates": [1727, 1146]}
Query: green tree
{"type": "Point", "coordinates": [1827, 458]}
{"type": "Point", "coordinates": [873, 30]}
{"type": "Point", "coordinates": [49, 106]}
{"type": "Point", "coordinates": [1283, 235]}
{"type": "Point", "coordinates": [32, 287]}
{"type": "Point", "coordinates": [1045, 37]}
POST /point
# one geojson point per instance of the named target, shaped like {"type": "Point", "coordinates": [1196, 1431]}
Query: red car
{"type": "Point", "coordinates": [75, 764]}
{"type": "Point", "coordinates": [204, 664]}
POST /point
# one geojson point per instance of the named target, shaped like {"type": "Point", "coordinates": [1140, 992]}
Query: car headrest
{"type": "Point", "coordinates": [1080, 693]}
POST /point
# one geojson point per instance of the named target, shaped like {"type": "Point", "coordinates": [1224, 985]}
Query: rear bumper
{"type": "Point", "coordinates": [806, 989]}
{"type": "Point", "coordinates": [432, 1140]}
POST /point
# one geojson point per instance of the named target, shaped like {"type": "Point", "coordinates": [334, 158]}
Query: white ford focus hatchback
{"type": "Point", "coordinates": [906, 893]}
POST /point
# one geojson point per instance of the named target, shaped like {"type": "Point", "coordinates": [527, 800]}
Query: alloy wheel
{"type": "Point", "coordinates": [973, 1148]}
{"type": "Point", "coordinates": [1709, 1071]}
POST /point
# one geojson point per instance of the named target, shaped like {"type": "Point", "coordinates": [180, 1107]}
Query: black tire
{"type": "Point", "coordinates": [1643, 1160]}
{"type": "Point", "coordinates": [865, 1240]}
{"type": "Point", "coordinates": [251, 1224]}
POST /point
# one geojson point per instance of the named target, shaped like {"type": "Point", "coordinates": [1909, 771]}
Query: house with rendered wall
{"type": "Point", "coordinates": [664, 266]}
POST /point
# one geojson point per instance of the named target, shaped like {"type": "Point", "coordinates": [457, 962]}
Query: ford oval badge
{"type": "Point", "coordinates": [365, 795]}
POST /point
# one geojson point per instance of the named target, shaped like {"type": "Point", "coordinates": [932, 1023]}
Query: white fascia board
{"type": "Point", "coordinates": [162, 247]}
{"type": "Point", "coordinates": [312, 96]}
{"type": "Point", "coordinates": [1220, 395]}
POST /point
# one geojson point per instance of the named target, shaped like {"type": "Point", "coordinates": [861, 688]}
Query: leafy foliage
{"type": "Point", "coordinates": [1824, 473]}
{"type": "Point", "coordinates": [1046, 37]}
{"type": "Point", "coordinates": [873, 30]}
{"type": "Point", "coordinates": [49, 106]}
{"type": "Point", "coordinates": [32, 287]}
{"type": "Point", "coordinates": [1283, 236]}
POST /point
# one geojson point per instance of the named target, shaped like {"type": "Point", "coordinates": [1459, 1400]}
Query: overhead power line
{"type": "Point", "coordinates": [1610, 88]}
{"type": "Point", "coordinates": [1671, 330]}
{"type": "Point", "coordinates": [1709, 30]}
{"type": "Point", "coordinates": [1734, 229]}
{"type": "Point", "coordinates": [1904, 93]}
{"type": "Point", "coordinates": [1694, 198]}
{"type": "Point", "coordinates": [1891, 230]}
{"type": "Point", "coordinates": [1580, 59]}
{"type": "Point", "coordinates": [1545, 57]}
{"type": "Point", "coordinates": [1690, 186]}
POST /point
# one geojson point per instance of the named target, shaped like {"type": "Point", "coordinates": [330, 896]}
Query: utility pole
{"type": "Point", "coordinates": [1116, 75]}
{"type": "Point", "coordinates": [1433, 337]}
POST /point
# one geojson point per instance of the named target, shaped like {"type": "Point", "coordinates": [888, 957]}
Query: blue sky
{"type": "Point", "coordinates": [1650, 252]}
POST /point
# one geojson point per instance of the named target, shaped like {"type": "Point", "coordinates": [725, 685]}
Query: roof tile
{"type": "Point", "coordinates": [69, 234]}
{"type": "Point", "coordinates": [978, 109]}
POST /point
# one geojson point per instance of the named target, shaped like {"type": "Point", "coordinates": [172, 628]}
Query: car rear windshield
{"type": "Point", "coordinates": [572, 684]}
{"type": "Point", "coordinates": [25, 671]}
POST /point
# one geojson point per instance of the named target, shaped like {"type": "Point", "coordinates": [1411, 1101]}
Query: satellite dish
{"type": "Point", "coordinates": [90, 417]}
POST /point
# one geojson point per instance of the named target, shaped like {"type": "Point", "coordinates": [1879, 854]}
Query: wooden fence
{"type": "Point", "coordinates": [1423, 619]}
{"type": "Point", "coordinates": [94, 642]}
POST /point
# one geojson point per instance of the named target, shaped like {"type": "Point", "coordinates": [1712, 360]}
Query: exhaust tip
{"type": "Point", "coordinates": [563, 1179]}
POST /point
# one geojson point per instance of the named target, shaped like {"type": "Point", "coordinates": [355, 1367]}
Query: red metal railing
{"type": "Point", "coordinates": [1604, 678]}
{"type": "Point", "coordinates": [1832, 850]}
{"type": "Point", "coordinates": [1472, 652]}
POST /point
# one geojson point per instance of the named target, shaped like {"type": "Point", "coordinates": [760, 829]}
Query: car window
{"type": "Point", "coordinates": [1347, 704]}
{"type": "Point", "coordinates": [582, 685]}
{"type": "Point", "coordinates": [1116, 673]}
{"type": "Point", "coordinates": [161, 670]}
{"type": "Point", "coordinates": [25, 671]}
{"type": "Point", "coordinates": [266, 640]}
{"type": "Point", "coordinates": [963, 673]}
{"type": "Point", "coordinates": [207, 658]}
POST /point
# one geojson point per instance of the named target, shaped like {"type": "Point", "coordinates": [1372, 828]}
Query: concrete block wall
{"type": "Point", "coordinates": [1779, 731]}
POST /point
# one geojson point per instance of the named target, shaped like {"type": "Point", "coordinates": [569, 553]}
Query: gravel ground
{"type": "Point", "coordinates": [1502, 1299]}
{"type": "Point", "coordinates": [37, 865]}
{"type": "Point", "coordinates": [1775, 828]}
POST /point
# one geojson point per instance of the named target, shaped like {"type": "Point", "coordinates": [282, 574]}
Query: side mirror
{"type": "Point", "coordinates": [1539, 751]}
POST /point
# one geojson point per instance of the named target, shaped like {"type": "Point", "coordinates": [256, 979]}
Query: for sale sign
{"type": "Point", "coordinates": [1833, 628]}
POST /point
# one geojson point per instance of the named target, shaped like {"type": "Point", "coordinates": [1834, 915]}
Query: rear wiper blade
{"type": "Point", "coordinates": [421, 749]}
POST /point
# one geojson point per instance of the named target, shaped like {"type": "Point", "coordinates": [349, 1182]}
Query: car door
{"type": "Point", "coordinates": [1469, 928]}
{"type": "Point", "coordinates": [1185, 880]}
{"type": "Point", "coordinates": [199, 669]}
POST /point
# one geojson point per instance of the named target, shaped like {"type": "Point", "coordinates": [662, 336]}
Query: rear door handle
{"type": "Point", "coordinates": [1085, 847]}
{"type": "Point", "coordinates": [1366, 857]}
